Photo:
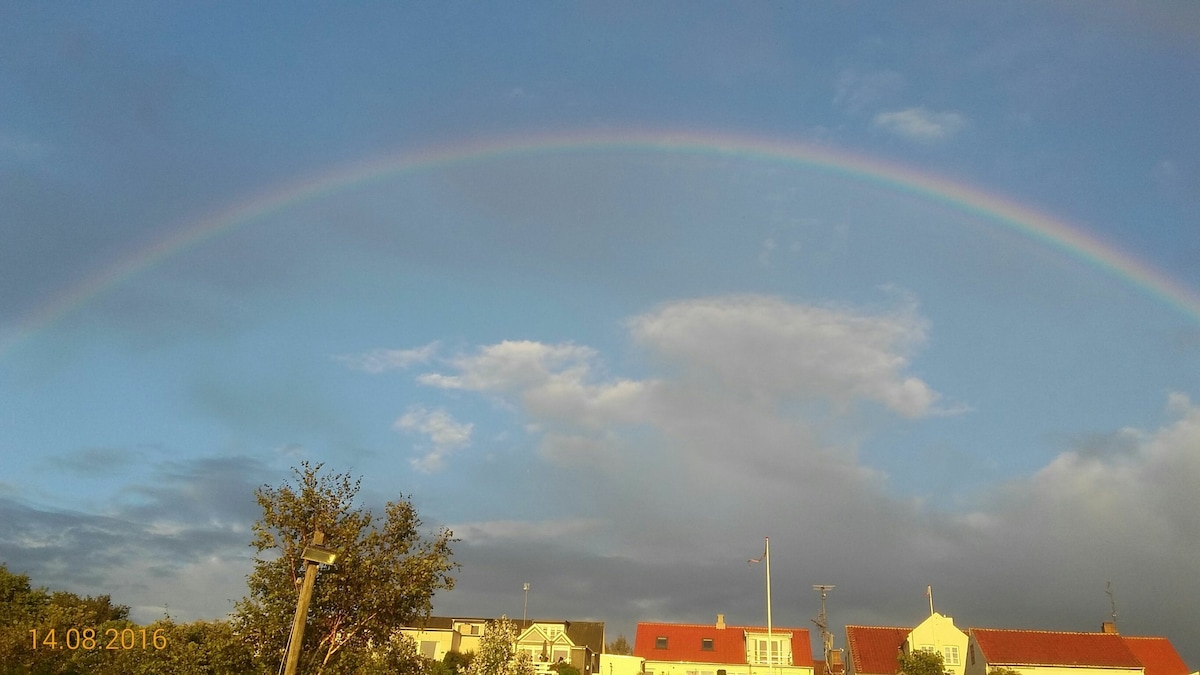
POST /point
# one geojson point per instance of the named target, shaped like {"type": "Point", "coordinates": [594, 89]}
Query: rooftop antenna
{"type": "Point", "coordinates": [822, 622]}
{"type": "Point", "coordinates": [1111, 601]}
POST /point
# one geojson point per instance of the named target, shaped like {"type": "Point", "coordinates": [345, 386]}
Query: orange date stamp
{"type": "Point", "coordinates": [90, 638]}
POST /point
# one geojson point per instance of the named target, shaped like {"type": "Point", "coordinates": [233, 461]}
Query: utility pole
{"type": "Point", "coordinates": [313, 555]}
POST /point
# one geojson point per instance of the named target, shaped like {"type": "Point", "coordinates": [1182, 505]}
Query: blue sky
{"type": "Point", "coordinates": [612, 368]}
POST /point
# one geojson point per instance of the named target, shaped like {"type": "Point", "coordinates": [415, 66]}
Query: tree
{"type": "Point", "coordinates": [385, 575]}
{"type": "Point", "coordinates": [565, 668]}
{"type": "Point", "coordinates": [458, 662]}
{"type": "Point", "coordinates": [620, 646]}
{"type": "Point", "coordinates": [497, 653]}
{"type": "Point", "coordinates": [922, 662]}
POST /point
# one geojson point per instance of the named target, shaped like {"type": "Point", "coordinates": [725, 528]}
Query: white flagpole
{"type": "Point", "coordinates": [770, 643]}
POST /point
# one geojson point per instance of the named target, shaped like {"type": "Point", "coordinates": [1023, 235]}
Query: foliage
{"type": "Point", "coordinates": [922, 662]}
{"type": "Point", "coordinates": [620, 646]}
{"type": "Point", "coordinates": [94, 636]}
{"type": "Point", "coordinates": [458, 662]}
{"type": "Point", "coordinates": [384, 578]}
{"type": "Point", "coordinates": [497, 653]}
{"type": "Point", "coordinates": [565, 668]}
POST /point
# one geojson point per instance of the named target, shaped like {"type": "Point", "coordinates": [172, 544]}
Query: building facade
{"type": "Point", "coordinates": [721, 649]}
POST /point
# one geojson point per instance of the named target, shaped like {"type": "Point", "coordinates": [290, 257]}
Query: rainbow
{"type": "Point", "coordinates": [1052, 232]}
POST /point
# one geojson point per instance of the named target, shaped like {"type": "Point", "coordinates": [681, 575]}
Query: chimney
{"type": "Point", "coordinates": [720, 622]}
{"type": "Point", "coordinates": [833, 663]}
{"type": "Point", "coordinates": [1108, 627]}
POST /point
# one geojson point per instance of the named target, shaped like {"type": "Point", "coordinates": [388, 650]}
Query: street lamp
{"type": "Point", "coordinates": [526, 609]}
{"type": "Point", "coordinates": [314, 554]}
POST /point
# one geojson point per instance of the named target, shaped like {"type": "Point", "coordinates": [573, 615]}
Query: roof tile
{"type": "Point", "coordinates": [1050, 648]}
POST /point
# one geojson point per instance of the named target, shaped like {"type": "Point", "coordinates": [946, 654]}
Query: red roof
{"type": "Point", "coordinates": [685, 642]}
{"type": "Point", "coordinates": [1049, 648]}
{"type": "Point", "coordinates": [875, 650]}
{"type": "Point", "coordinates": [1157, 654]}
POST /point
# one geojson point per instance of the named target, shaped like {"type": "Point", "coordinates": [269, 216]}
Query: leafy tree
{"type": "Point", "coordinates": [21, 608]}
{"type": "Point", "coordinates": [565, 668]}
{"type": "Point", "coordinates": [497, 653]}
{"type": "Point", "coordinates": [384, 578]}
{"type": "Point", "coordinates": [620, 646]}
{"type": "Point", "coordinates": [458, 662]}
{"type": "Point", "coordinates": [922, 662]}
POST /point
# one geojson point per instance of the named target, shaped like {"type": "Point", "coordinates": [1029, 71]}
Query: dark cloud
{"type": "Point", "coordinates": [157, 543]}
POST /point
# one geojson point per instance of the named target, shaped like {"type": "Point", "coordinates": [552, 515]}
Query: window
{"type": "Point", "coordinates": [429, 648]}
{"type": "Point", "coordinates": [768, 651]}
{"type": "Point", "coordinates": [660, 642]}
{"type": "Point", "coordinates": [706, 644]}
{"type": "Point", "coordinates": [951, 654]}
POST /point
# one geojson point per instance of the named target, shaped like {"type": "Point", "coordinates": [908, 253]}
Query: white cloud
{"type": "Point", "coordinates": [767, 345]}
{"type": "Point", "coordinates": [733, 365]}
{"type": "Point", "coordinates": [920, 124]}
{"type": "Point", "coordinates": [524, 531]}
{"type": "Point", "coordinates": [856, 92]}
{"type": "Point", "coordinates": [382, 360]}
{"type": "Point", "coordinates": [445, 435]}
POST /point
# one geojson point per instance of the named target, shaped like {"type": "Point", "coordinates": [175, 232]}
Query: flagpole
{"type": "Point", "coordinates": [770, 640]}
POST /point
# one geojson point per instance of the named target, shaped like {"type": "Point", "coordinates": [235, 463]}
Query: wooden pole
{"type": "Point", "coordinates": [310, 579]}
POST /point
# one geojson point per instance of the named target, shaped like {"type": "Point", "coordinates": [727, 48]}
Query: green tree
{"type": "Point", "coordinates": [385, 576]}
{"type": "Point", "coordinates": [620, 646]}
{"type": "Point", "coordinates": [458, 662]}
{"type": "Point", "coordinates": [922, 662]}
{"type": "Point", "coordinates": [497, 653]}
{"type": "Point", "coordinates": [565, 668]}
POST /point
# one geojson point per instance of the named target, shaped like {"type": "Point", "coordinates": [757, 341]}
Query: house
{"type": "Point", "coordinates": [1034, 652]}
{"type": "Point", "coordinates": [721, 649]}
{"type": "Point", "coordinates": [876, 650]}
{"type": "Point", "coordinates": [578, 643]}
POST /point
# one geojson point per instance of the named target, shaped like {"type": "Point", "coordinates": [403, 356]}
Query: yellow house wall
{"type": "Point", "coordinates": [446, 640]}
{"type": "Point", "coordinates": [939, 632]}
{"type": "Point", "coordinates": [696, 668]}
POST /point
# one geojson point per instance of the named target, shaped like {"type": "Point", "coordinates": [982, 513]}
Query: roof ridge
{"type": "Point", "coordinates": [1051, 632]}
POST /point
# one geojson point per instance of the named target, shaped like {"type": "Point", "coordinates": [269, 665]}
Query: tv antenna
{"type": "Point", "coordinates": [1111, 601]}
{"type": "Point", "coordinates": [822, 620]}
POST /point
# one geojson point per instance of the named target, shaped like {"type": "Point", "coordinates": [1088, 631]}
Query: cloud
{"type": "Point", "coordinates": [857, 92]}
{"type": "Point", "coordinates": [150, 540]}
{"type": "Point", "coordinates": [522, 531]}
{"type": "Point", "coordinates": [920, 124]}
{"type": "Point", "coordinates": [382, 360]}
{"type": "Point", "coordinates": [767, 346]}
{"type": "Point", "coordinates": [445, 434]}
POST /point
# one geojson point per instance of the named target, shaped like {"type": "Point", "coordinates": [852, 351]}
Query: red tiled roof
{"type": "Point", "coordinates": [874, 650]}
{"type": "Point", "coordinates": [684, 643]}
{"type": "Point", "coordinates": [1049, 648]}
{"type": "Point", "coordinates": [1157, 654]}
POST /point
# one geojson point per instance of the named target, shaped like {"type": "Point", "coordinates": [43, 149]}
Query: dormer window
{"type": "Point", "coordinates": [660, 642]}
{"type": "Point", "coordinates": [706, 644]}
